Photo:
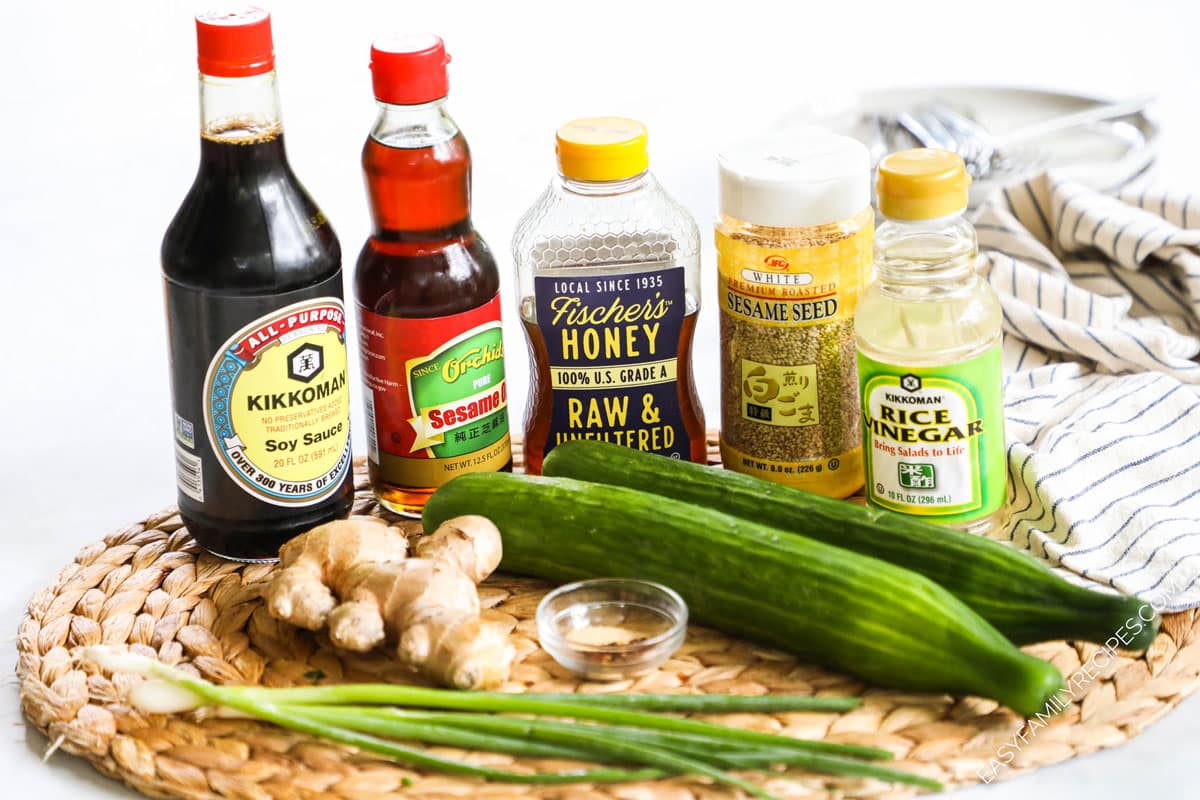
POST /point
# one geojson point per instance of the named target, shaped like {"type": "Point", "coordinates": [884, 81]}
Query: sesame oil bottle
{"type": "Point", "coordinates": [427, 290]}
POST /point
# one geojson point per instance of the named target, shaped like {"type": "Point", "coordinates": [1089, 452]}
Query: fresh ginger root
{"type": "Point", "coordinates": [471, 543]}
{"type": "Point", "coordinates": [320, 560]}
{"type": "Point", "coordinates": [431, 609]}
{"type": "Point", "coordinates": [428, 605]}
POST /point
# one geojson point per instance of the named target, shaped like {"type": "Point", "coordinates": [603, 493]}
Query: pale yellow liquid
{"type": "Point", "coordinates": [928, 308]}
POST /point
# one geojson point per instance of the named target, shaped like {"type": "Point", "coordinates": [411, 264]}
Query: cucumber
{"type": "Point", "coordinates": [831, 606]}
{"type": "Point", "coordinates": [1013, 591]}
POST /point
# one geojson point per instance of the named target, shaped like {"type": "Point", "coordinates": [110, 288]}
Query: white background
{"type": "Point", "coordinates": [99, 145]}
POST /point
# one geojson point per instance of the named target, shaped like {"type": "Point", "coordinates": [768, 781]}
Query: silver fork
{"type": "Point", "coordinates": [942, 127]}
{"type": "Point", "coordinates": [938, 125]}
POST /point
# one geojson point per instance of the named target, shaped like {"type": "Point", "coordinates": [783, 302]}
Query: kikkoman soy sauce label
{"type": "Point", "coordinates": [933, 437]}
{"type": "Point", "coordinates": [613, 345]}
{"type": "Point", "coordinates": [437, 401]}
{"type": "Point", "coordinates": [277, 407]}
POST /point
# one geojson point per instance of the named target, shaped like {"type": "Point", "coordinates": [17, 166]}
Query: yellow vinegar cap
{"type": "Point", "coordinates": [602, 149]}
{"type": "Point", "coordinates": [924, 183]}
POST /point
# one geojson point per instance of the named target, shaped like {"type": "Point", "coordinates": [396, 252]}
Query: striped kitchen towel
{"type": "Point", "coordinates": [1101, 298]}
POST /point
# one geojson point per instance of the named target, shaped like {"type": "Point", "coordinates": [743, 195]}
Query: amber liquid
{"type": "Point", "coordinates": [247, 240]}
{"type": "Point", "coordinates": [424, 259]}
{"type": "Point", "coordinates": [538, 411]}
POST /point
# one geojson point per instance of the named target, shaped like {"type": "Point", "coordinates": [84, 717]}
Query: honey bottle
{"type": "Point", "coordinates": [608, 273]}
{"type": "Point", "coordinates": [427, 291]}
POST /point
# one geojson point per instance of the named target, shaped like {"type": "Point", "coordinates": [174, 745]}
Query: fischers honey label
{"type": "Point", "coordinates": [612, 343]}
{"type": "Point", "coordinates": [277, 407]}
{"type": "Point", "coordinates": [436, 398]}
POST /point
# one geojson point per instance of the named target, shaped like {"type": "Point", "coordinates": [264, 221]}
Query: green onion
{"type": "Point", "coordinates": [719, 738]}
{"type": "Point", "coordinates": [237, 698]}
{"type": "Point", "coordinates": [615, 730]}
{"type": "Point", "coordinates": [593, 737]}
{"type": "Point", "coordinates": [396, 723]}
{"type": "Point", "coordinates": [711, 703]}
{"type": "Point", "coordinates": [394, 695]}
{"type": "Point", "coordinates": [430, 733]}
{"type": "Point", "coordinates": [828, 764]}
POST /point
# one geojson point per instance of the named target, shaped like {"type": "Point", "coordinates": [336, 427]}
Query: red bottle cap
{"type": "Point", "coordinates": [409, 70]}
{"type": "Point", "coordinates": [235, 43]}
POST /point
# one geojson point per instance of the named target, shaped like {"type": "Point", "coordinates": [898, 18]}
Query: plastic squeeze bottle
{"type": "Point", "coordinates": [608, 270]}
{"type": "Point", "coordinates": [928, 332]}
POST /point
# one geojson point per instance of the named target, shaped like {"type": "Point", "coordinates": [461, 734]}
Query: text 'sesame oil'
{"type": "Point", "coordinates": [257, 328]}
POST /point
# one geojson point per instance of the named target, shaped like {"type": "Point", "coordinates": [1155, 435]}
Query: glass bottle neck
{"type": "Point", "coordinates": [938, 252]}
{"type": "Point", "coordinates": [418, 173]}
{"type": "Point", "coordinates": [412, 127]}
{"type": "Point", "coordinates": [240, 110]}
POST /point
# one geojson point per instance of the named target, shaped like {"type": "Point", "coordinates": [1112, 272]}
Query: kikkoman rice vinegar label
{"type": "Point", "coordinates": [789, 409]}
{"type": "Point", "coordinates": [277, 407]}
{"type": "Point", "coordinates": [933, 437]}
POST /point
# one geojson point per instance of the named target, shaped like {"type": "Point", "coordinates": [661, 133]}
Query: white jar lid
{"type": "Point", "coordinates": [795, 179]}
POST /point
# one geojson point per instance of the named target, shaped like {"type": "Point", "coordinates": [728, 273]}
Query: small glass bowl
{"type": "Point", "coordinates": [609, 629]}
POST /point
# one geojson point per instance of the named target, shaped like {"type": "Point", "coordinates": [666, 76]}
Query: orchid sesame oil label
{"type": "Point", "coordinates": [613, 351]}
{"type": "Point", "coordinates": [436, 397]}
{"type": "Point", "coordinates": [933, 437]}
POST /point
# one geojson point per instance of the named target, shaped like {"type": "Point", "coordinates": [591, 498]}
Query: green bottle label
{"type": "Point", "coordinates": [460, 394]}
{"type": "Point", "coordinates": [933, 437]}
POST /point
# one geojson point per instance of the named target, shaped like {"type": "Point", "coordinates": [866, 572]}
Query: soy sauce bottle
{"type": "Point", "coordinates": [255, 319]}
{"type": "Point", "coordinates": [427, 290]}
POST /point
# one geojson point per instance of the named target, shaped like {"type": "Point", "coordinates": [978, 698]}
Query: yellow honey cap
{"type": "Point", "coordinates": [602, 149]}
{"type": "Point", "coordinates": [925, 183]}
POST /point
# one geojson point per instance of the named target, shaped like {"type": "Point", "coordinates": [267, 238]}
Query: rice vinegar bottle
{"type": "Point", "coordinates": [928, 332]}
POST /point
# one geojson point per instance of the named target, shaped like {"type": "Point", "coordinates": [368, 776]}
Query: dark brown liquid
{"type": "Point", "coordinates": [247, 240]}
{"type": "Point", "coordinates": [541, 397]}
{"type": "Point", "coordinates": [424, 258]}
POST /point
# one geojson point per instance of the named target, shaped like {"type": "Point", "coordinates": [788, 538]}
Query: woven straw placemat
{"type": "Point", "coordinates": [150, 586]}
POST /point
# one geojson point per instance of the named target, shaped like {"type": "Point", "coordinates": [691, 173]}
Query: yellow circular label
{"type": "Point", "coordinates": [277, 406]}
